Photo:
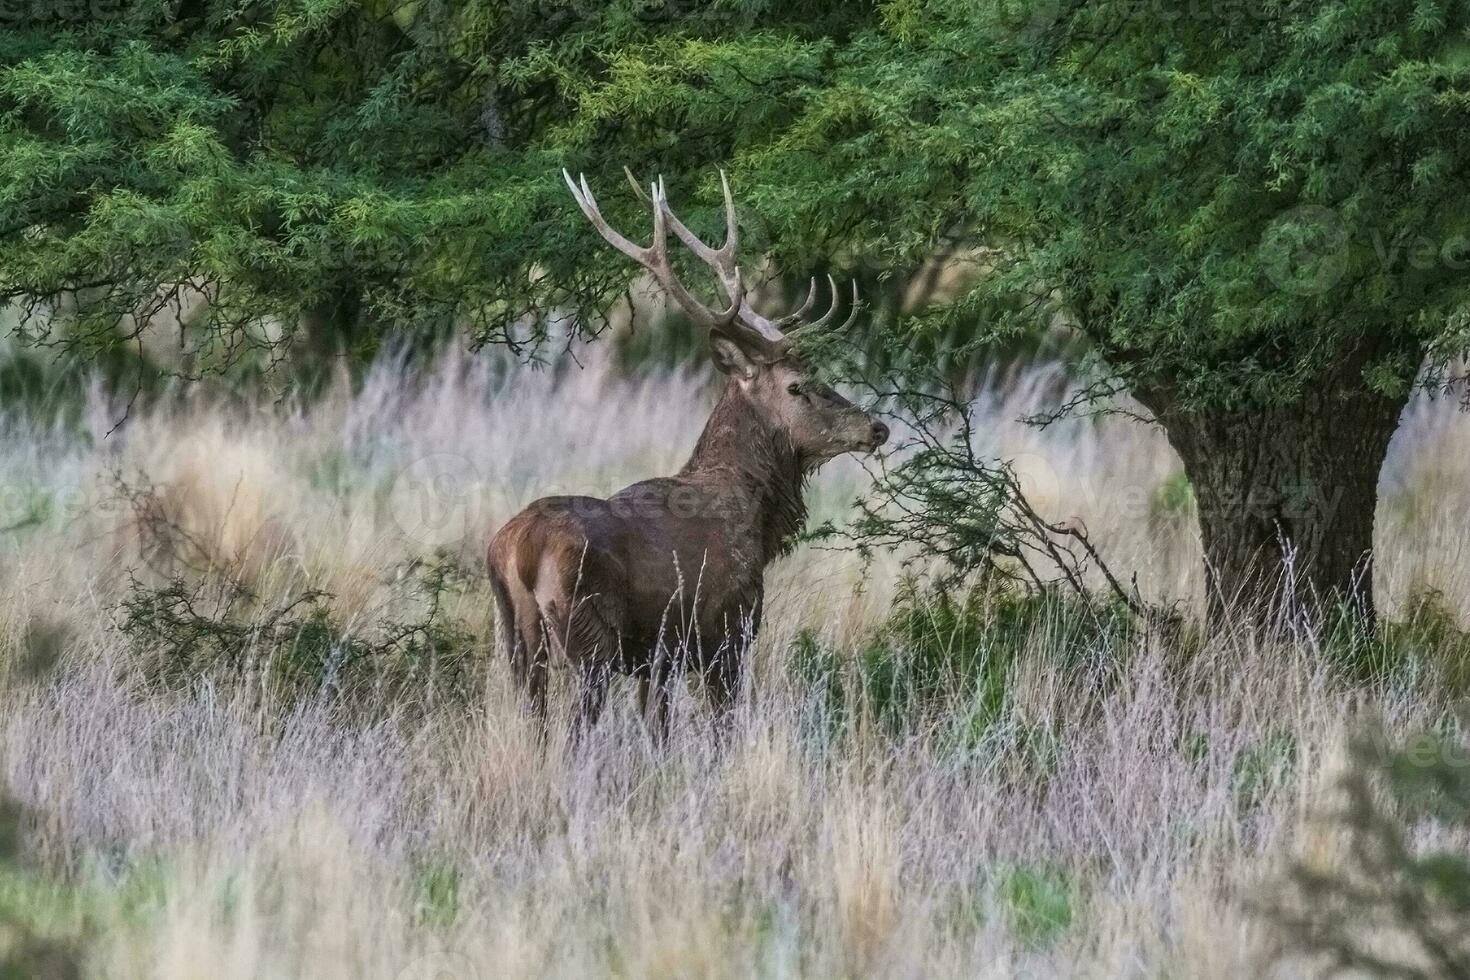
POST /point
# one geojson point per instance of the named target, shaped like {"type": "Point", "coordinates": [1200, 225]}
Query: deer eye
{"type": "Point", "coordinates": [794, 388]}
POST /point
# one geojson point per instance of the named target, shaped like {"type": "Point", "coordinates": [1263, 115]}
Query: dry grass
{"type": "Point", "coordinates": [187, 834]}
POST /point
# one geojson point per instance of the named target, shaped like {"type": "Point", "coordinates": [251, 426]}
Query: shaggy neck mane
{"type": "Point", "coordinates": [739, 445]}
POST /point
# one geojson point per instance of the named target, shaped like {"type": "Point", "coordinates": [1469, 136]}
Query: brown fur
{"type": "Point", "coordinates": [667, 574]}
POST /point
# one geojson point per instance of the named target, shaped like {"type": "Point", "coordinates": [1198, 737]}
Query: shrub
{"type": "Point", "coordinates": [295, 648]}
{"type": "Point", "coordinates": [1426, 645]}
{"type": "Point", "coordinates": [946, 654]}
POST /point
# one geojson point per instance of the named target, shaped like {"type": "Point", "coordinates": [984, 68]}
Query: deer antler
{"type": "Point", "coordinates": [655, 258]}
{"type": "Point", "coordinates": [741, 323]}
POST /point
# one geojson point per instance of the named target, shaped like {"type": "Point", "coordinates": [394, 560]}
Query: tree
{"type": "Point", "coordinates": [251, 168]}
{"type": "Point", "coordinates": [1255, 214]}
{"type": "Point", "coordinates": [333, 167]}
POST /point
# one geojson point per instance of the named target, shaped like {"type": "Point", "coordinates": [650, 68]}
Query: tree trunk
{"type": "Point", "coordinates": [1286, 496]}
{"type": "Point", "coordinates": [329, 332]}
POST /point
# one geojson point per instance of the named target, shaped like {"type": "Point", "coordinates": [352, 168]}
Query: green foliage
{"type": "Point", "coordinates": [1039, 902]}
{"type": "Point", "coordinates": [1175, 496]}
{"type": "Point", "coordinates": [949, 659]}
{"type": "Point", "coordinates": [182, 631]}
{"type": "Point", "coordinates": [438, 893]}
{"type": "Point", "coordinates": [1427, 645]}
{"type": "Point", "coordinates": [1262, 767]}
{"type": "Point", "coordinates": [1224, 199]}
{"type": "Point", "coordinates": [29, 385]}
{"type": "Point", "coordinates": [1398, 901]}
{"type": "Point", "coordinates": [353, 162]}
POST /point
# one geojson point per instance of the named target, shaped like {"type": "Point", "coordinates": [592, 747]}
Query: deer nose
{"type": "Point", "coordinates": [880, 434]}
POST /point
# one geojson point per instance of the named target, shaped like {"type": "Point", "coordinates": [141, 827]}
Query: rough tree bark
{"type": "Point", "coordinates": [1286, 496]}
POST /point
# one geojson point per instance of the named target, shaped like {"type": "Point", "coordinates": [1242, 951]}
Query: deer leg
{"type": "Point", "coordinates": [653, 698]}
{"type": "Point", "coordinates": [590, 644]}
{"type": "Point", "coordinates": [726, 671]}
{"type": "Point", "coordinates": [722, 681]}
{"type": "Point", "coordinates": [528, 663]}
{"type": "Point", "coordinates": [518, 622]}
{"type": "Point", "coordinates": [591, 697]}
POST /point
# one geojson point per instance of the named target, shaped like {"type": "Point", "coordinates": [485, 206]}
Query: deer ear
{"type": "Point", "coordinates": [732, 360]}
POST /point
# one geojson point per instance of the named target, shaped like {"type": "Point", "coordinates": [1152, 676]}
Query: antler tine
{"type": "Point", "coordinates": [663, 218]}
{"type": "Point", "coordinates": [655, 258]}
{"type": "Point", "coordinates": [732, 225]}
{"type": "Point", "coordinates": [747, 326]}
{"type": "Point", "coordinates": [856, 306]}
{"type": "Point", "coordinates": [825, 318]}
{"type": "Point", "coordinates": [759, 330]}
{"type": "Point", "coordinates": [792, 318]}
{"type": "Point", "coordinates": [633, 183]}
{"type": "Point", "coordinates": [740, 322]}
{"type": "Point", "coordinates": [791, 335]}
{"type": "Point", "coordinates": [588, 204]}
{"type": "Point", "coordinates": [721, 259]}
{"type": "Point", "coordinates": [821, 321]}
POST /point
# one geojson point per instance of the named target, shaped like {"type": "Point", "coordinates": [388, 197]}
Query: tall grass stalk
{"type": "Point", "coordinates": [1117, 802]}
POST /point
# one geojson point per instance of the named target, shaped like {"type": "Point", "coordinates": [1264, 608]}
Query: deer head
{"type": "Point", "coordinates": [757, 353]}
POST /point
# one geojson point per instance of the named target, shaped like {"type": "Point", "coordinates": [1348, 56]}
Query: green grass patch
{"type": "Point", "coordinates": [1262, 767]}
{"type": "Point", "coordinates": [1427, 645]}
{"type": "Point", "coordinates": [1174, 497]}
{"type": "Point", "coordinates": [437, 902]}
{"type": "Point", "coordinates": [941, 657]}
{"type": "Point", "coordinates": [1040, 902]}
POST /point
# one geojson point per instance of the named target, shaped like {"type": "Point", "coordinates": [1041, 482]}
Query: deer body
{"type": "Point", "coordinates": [667, 575]}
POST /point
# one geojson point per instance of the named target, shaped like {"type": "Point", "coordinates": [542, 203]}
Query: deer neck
{"type": "Point", "coordinates": [742, 452]}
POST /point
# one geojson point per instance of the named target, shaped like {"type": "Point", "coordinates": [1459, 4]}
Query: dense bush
{"type": "Point", "coordinates": [185, 629]}
{"type": "Point", "coordinates": [947, 656]}
{"type": "Point", "coordinates": [1426, 647]}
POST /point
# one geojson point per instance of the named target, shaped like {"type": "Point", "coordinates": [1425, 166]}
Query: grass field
{"type": "Point", "coordinates": [1097, 803]}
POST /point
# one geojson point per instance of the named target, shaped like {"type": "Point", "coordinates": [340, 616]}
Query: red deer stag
{"type": "Point", "coordinates": [667, 575]}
